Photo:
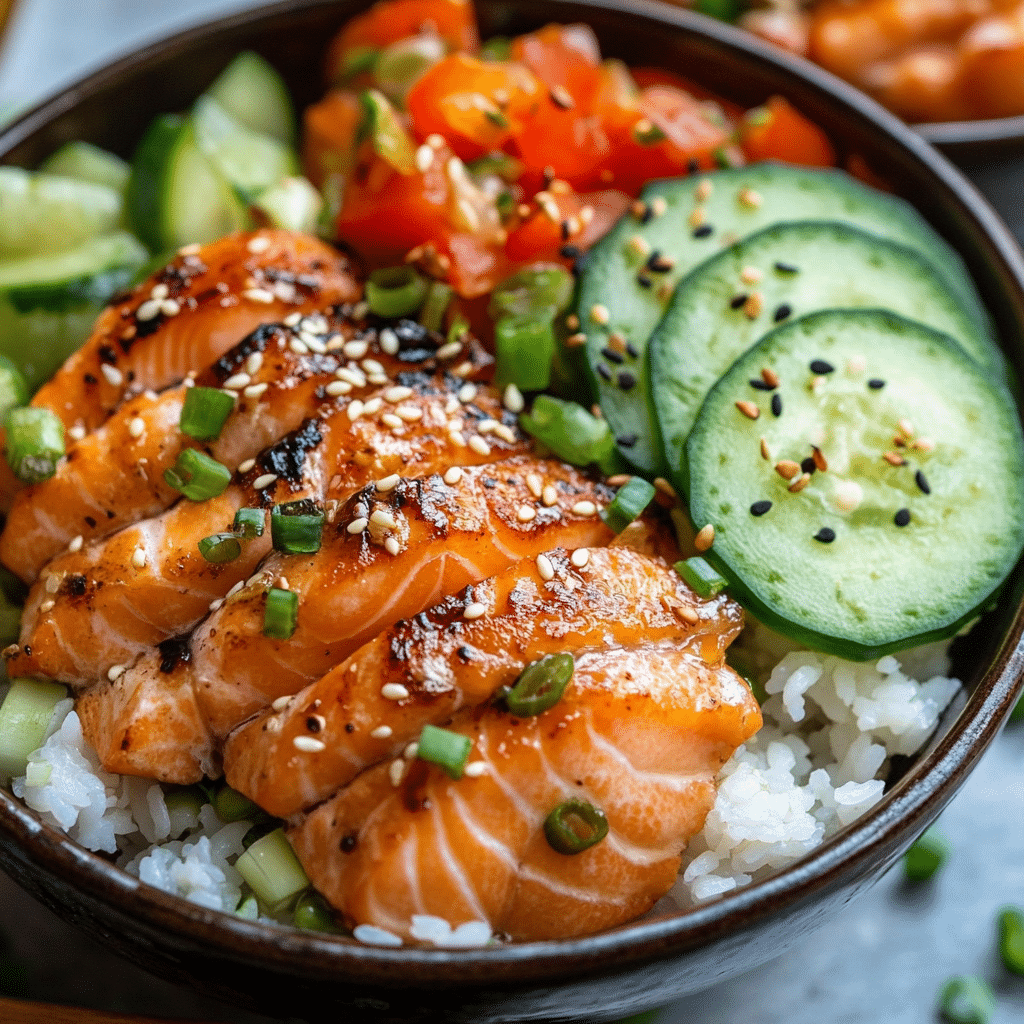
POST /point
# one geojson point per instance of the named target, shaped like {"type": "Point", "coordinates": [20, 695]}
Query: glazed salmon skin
{"type": "Point", "coordinates": [555, 603]}
{"type": "Point", "coordinates": [639, 734]}
{"type": "Point", "coordinates": [451, 535]}
{"type": "Point", "coordinates": [102, 606]}
{"type": "Point", "coordinates": [282, 374]}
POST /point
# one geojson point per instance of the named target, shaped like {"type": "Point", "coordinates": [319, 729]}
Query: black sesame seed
{"type": "Point", "coordinates": [821, 367]}
{"type": "Point", "coordinates": [922, 481]}
{"type": "Point", "coordinates": [826, 535]}
{"type": "Point", "coordinates": [566, 230]}
{"type": "Point", "coordinates": [783, 312]}
{"type": "Point", "coordinates": [760, 507]}
{"type": "Point", "coordinates": [605, 372]}
{"type": "Point", "coordinates": [349, 727]}
{"type": "Point", "coordinates": [703, 231]}
{"type": "Point", "coordinates": [627, 440]}
{"type": "Point", "coordinates": [902, 517]}
{"type": "Point", "coordinates": [776, 404]}
{"type": "Point", "coordinates": [89, 379]}
{"type": "Point", "coordinates": [659, 264]}
{"type": "Point", "coordinates": [808, 465]}
{"type": "Point", "coordinates": [631, 349]}
{"type": "Point", "coordinates": [643, 213]}
{"type": "Point", "coordinates": [761, 385]}
{"type": "Point", "coordinates": [313, 723]}
{"type": "Point", "coordinates": [737, 301]}
{"type": "Point", "coordinates": [569, 252]}
{"type": "Point", "coordinates": [348, 842]}
{"type": "Point", "coordinates": [612, 356]}
{"type": "Point", "coordinates": [643, 280]}
{"type": "Point", "coordinates": [626, 380]}
{"type": "Point", "coordinates": [692, 165]}
{"type": "Point", "coordinates": [786, 268]}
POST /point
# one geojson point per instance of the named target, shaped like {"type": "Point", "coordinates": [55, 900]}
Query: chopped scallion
{"type": "Point", "coordinates": [359, 61]}
{"type": "Point", "coordinates": [448, 750]}
{"type": "Point", "coordinates": [197, 476]}
{"type": "Point", "coordinates": [272, 870]}
{"type": "Point", "coordinates": [395, 291]}
{"type": "Point", "coordinates": [220, 547]}
{"type": "Point", "coordinates": [540, 686]}
{"type": "Point", "coordinates": [524, 348]}
{"type": "Point", "coordinates": [1011, 938]}
{"type": "Point", "coordinates": [629, 502]}
{"type": "Point", "coordinates": [401, 64]}
{"type": "Point", "coordinates": [926, 856]}
{"type": "Point", "coordinates": [497, 164]}
{"type": "Point", "coordinates": [575, 826]}
{"type": "Point", "coordinates": [231, 805]}
{"type": "Point", "coordinates": [281, 614]}
{"type": "Point", "coordinates": [249, 522]}
{"type": "Point", "coordinates": [457, 330]}
{"type": "Point", "coordinates": [966, 999]}
{"type": "Point", "coordinates": [701, 577]}
{"type": "Point", "coordinates": [439, 295]}
{"type": "Point", "coordinates": [572, 433]}
{"type": "Point", "coordinates": [35, 443]}
{"type": "Point", "coordinates": [296, 528]}
{"type": "Point", "coordinates": [204, 413]}
{"type": "Point", "coordinates": [313, 913]}
{"type": "Point", "coordinates": [539, 291]}
{"type": "Point", "coordinates": [388, 136]}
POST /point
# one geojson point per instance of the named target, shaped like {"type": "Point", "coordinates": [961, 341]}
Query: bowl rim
{"type": "Point", "coordinates": [907, 808]}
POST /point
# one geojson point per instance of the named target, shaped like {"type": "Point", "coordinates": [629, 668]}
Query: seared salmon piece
{"type": "Point", "coordinates": [540, 606]}
{"type": "Point", "coordinates": [639, 734]}
{"type": "Point", "coordinates": [104, 605]}
{"type": "Point", "coordinates": [282, 375]}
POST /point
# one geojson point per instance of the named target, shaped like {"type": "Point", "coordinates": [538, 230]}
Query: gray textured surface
{"type": "Point", "coordinates": [883, 960]}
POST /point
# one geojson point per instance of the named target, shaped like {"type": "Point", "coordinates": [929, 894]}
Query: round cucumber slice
{"type": "Point", "coordinates": [254, 94]}
{"type": "Point", "coordinates": [874, 499]}
{"type": "Point", "coordinates": [726, 303]}
{"type": "Point", "coordinates": [86, 162]}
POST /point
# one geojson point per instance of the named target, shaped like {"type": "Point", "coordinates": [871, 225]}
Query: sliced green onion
{"type": "Point", "coordinates": [249, 522]}
{"type": "Point", "coordinates": [35, 443]}
{"type": "Point", "coordinates": [506, 204]}
{"type": "Point", "coordinates": [439, 295]}
{"type": "Point", "coordinates": [312, 912]}
{"type": "Point", "coordinates": [25, 718]}
{"type": "Point", "coordinates": [231, 805]}
{"type": "Point", "coordinates": [496, 48]}
{"type": "Point", "coordinates": [629, 502]}
{"type": "Point", "coordinates": [926, 856]}
{"type": "Point", "coordinates": [966, 999]}
{"type": "Point", "coordinates": [497, 164]}
{"type": "Point", "coordinates": [359, 61]}
{"type": "Point", "coordinates": [13, 387]}
{"type": "Point", "coordinates": [541, 290]}
{"type": "Point", "coordinates": [296, 528]}
{"type": "Point", "coordinates": [400, 65]}
{"type": "Point", "coordinates": [572, 433]}
{"type": "Point", "coordinates": [575, 826]}
{"type": "Point", "coordinates": [1011, 938]}
{"type": "Point", "coordinates": [220, 547]}
{"type": "Point", "coordinates": [524, 348]}
{"type": "Point", "coordinates": [281, 614]}
{"type": "Point", "coordinates": [701, 577]}
{"type": "Point", "coordinates": [204, 413]}
{"type": "Point", "coordinates": [448, 750]}
{"type": "Point", "coordinates": [540, 686]}
{"type": "Point", "coordinates": [183, 807]}
{"type": "Point", "coordinates": [388, 136]}
{"type": "Point", "coordinates": [197, 476]}
{"type": "Point", "coordinates": [272, 870]}
{"type": "Point", "coordinates": [395, 291]}
{"type": "Point", "coordinates": [457, 331]}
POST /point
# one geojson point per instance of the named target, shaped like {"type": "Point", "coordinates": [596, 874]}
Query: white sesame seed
{"type": "Point", "coordinates": [584, 508]}
{"type": "Point", "coordinates": [314, 344]}
{"type": "Point", "coordinates": [217, 602]}
{"type": "Point", "coordinates": [475, 610]}
{"type": "Point", "coordinates": [116, 671]}
{"type": "Point", "coordinates": [449, 350]}
{"type": "Point", "coordinates": [355, 349]}
{"type": "Point", "coordinates": [545, 568]}
{"type": "Point", "coordinates": [475, 769]}
{"type": "Point", "coordinates": [238, 380]}
{"type": "Point", "coordinates": [424, 158]}
{"type": "Point", "coordinates": [391, 546]}
{"type": "Point", "coordinates": [112, 374]}
{"type": "Point", "coordinates": [54, 578]}
{"type": "Point", "coordinates": [388, 483]}
{"type": "Point", "coordinates": [298, 347]}
{"type": "Point", "coordinates": [137, 427]}
{"type": "Point", "coordinates": [148, 310]}
{"type": "Point", "coordinates": [47, 605]}
{"type": "Point", "coordinates": [409, 413]}
{"type": "Point", "coordinates": [526, 513]}
{"type": "Point", "coordinates": [308, 744]}
{"type": "Point", "coordinates": [280, 703]}
{"type": "Point", "coordinates": [77, 432]}
{"type": "Point", "coordinates": [139, 558]}
{"type": "Point", "coordinates": [856, 365]}
{"type": "Point", "coordinates": [453, 476]}
{"type": "Point", "coordinates": [750, 275]}
{"type": "Point", "coordinates": [244, 467]}
{"type": "Point", "coordinates": [451, 405]}
{"type": "Point", "coordinates": [235, 589]}
{"type": "Point", "coordinates": [388, 341]}
{"type": "Point", "coordinates": [411, 750]}
{"type": "Point", "coordinates": [389, 419]}
{"type": "Point", "coordinates": [638, 246]}
{"type": "Point", "coordinates": [264, 481]}
{"type": "Point", "coordinates": [190, 250]}
{"type": "Point", "coordinates": [337, 388]}
{"type": "Point", "coordinates": [705, 537]}
{"type": "Point", "coordinates": [534, 484]}
{"type": "Point", "coordinates": [513, 399]}
{"type": "Point", "coordinates": [658, 206]}
{"type": "Point", "coordinates": [456, 438]}
{"type": "Point", "coordinates": [358, 525]}
{"type": "Point", "coordinates": [486, 426]}
{"type": "Point", "coordinates": [282, 583]}
{"type": "Point", "coordinates": [395, 772]}
{"type": "Point", "coordinates": [381, 517]}
{"type": "Point", "coordinates": [467, 393]}
{"type": "Point", "coordinates": [479, 445]}
{"type": "Point", "coordinates": [549, 496]}
{"type": "Point", "coordinates": [354, 409]}
{"type": "Point", "coordinates": [394, 691]}
{"type": "Point", "coordinates": [159, 291]}
{"type": "Point", "coordinates": [372, 366]}
{"type": "Point", "coordinates": [233, 395]}
{"type": "Point", "coordinates": [580, 557]}
{"type": "Point", "coordinates": [292, 319]}
{"type": "Point", "coordinates": [354, 377]}
{"type": "Point", "coordinates": [378, 380]}
{"type": "Point", "coordinates": [258, 295]}
{"type": "Point", "coordinates": [75, 545]}
{"type": "Point", "coordinates": [258, 244]}
{"type": "Point", "coordinates": [170, 307]}
{"type": "Point", "coordinates": [253, 363]}
{"type": "Point", "coordinates": [255, 390]}
{"type": "Point", "coordinates": [382, 732]}
{"type": "Point", "coordinates": [373, 406]}
{"type": "Point", "coordinates": [599, 314]}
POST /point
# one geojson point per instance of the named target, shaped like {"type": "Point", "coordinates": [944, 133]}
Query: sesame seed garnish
{"type": "Point", "coordinates": [705, 538]}
{"type": "Point", "coordinates": [549, 496]}
{"type": "Point", "coordinates": [584, 508]}
{"type": "Point", "coordinates": [409, 413]}
{"type": "Point", "coordinates": [604, 372]}
{"type": "Point", "coordinates": [821, 367]}
{"type": "Point", "coordinates": [876, 384]}
{"type": "Point", "coordinates": [922, 482]}
{"type": "Point", "coordinates": [139, 558]}
{"type": "Point", "coordinates": [382, 732]}
{"type": "Point", "coordinates": [392, 546]}
{"type": "Point", "coordinates": [894, 459]}
{"type": "Point", "coordinates": [639, 246]}
{"type": "Point", "coordinates": [192, 249]}
{"type": "Point", "coordinates": [561, 97]}
{"type": "Point", "coordinates": [526, 513]}
{"type": "Point", "coordinates": [787, 469]}
{"type": "Point", "coordinates": [575, 340]}
{"type": "Point", "coordinates": [148, 310]}
{"type": "Point", "coordinates": [388, 341]}
{"type": "Point", "coordinates": [750, 275]}
{"type": "Point", "coordinates": [753, 306]}
{"type": "Point", "coordinates": [238, 381]}
{"type": "Point", "coordinates": [77, 432]}
{"type": "Point", "coordinates": [479, 445]}
{"type": "Point", "coordinates": [786, 268]}
{"type": "Point", "coordinates": [395, 772]}
{"type": "Point", "coordinates": [75, 545]}
{"type": "Point", "coordinates": [235, 589]}
{"type": "Point", "coordinates": [923, 444]}
{"type": "Point", "coordinates": [800, 483]}
{"type": "Point", "coordinates": [389, 419]}
{"type": "Point", "coordinates": [750, 198]}
{"type": "Point", "coordinates": [599, 314]}
{"type": "Point", "coordinates": [397, 394]}
{"type": "Point", "coordinates": [264, 481]}
{"type": "Point", "coordinates": [738, 301]}
{"type": "Point", "coordinates": [766, 452]}
{"type": "Point", "coordinates": [474, 610]}
{"type": "Point", "coordinates": [902, 517]}
{"type": "Point", "coordinates": [244, 467]}
{"type": "Point", "coordinates": [748, 409]}
{"type": "Point", "coordinates": [258, 244]}
{"type": "Point", "coordinates": [299, 347]}
{"type": "Point", "coordinates": [759, 385]}
{"type": "Point", "coordinates": [808, 465]}
{"type": "Point", "coordinates": [47, 605]}
{"type": "Point", "coordinates": [256, 390]}
{"type": "Point", "coordinates": [659, 205]}
{"type": "Point", "coordinates": [259, 295]}
{"type": "Point", "coordinates": [137, 427]}
{"type": "Point", "coordinates": [381, 517]}
{"type": "Point", "coordinates": [580, 557]}
{"type": "Point", "coordinates": [394, 691]}
{"type": "Point", "coordinates": [662, 485]}
{"type": "Point", "coordinates": [467, 393]}
{"type": "Point", "coordinates": [906, 428]}
{"type": "Point", "coordinates": [217, 602]}
{"type": "Point", "coordinates": [358, 525]}
{"type": "Point", "coordinates": [612, 355]}
{"type": "Point", "coordinates": [534, 484]}
{"type": "Point", "coordinates": [308, 745]}
{"type": "Point", "coordinates": [818, 458]}
{"type": "Point", "coordinates": [703, 231]}
{"type": "Point", "coordinates": [116, 671]}
{"type": "Point", "coordinates": [113, 375]}
{"type": "Point", "coordinates": [641, 211]}
{"type": "Point", "coordinates": [53, 579]}
{"type": "Point", "coordinates": [487, 426]}
{"type": "Point", "coordinates": [825, 535]}
{"type": "Point", "coordinates": [388, 483]}
{"type": "Point", "coordinates": [453, 476]}
{"type": "Point", "coordinates": [545, 568]}
{"type": "Point", "coordinates": [782, 312]}
{"type": "Point", "coordinates": [698, 216]}
{"type": "Point", "coordinates": [513, 399]}
{"type": "Point", "coordinates": [475, 769]}
{"type": "Point", "coordinates": [702, 193]}
{"type": "Point", "coordinates": [373, 406]}
{"type": "Point", "coordinates": [626, 380]}
{"type": "Point", "coordinates": [355, 409]}
{"type": "Point", "coordinates": [411, 750]}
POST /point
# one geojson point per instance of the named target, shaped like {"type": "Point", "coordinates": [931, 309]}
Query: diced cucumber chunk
{"type": "Point", "coordinates": [248, 161]}
{"type": "Point", "coordinates": [86, 162]}
{"type": "Point", "coordinates": [730, 300]}
{"type": "Point", "coordinates": [293, 203]}
{"type": "Point", "coordinates": [26, 715]}
{"type": "Point", "coordinates": [43, 213]}
{"type": "Point", "coordinates": [253, 93]}
{"type": "Point", "coordinates": [883, 506]}
{"type": "Point", "coordinates": [175, 195]}
{"type": "Point", "coordinates": [272, 870]}
{"type": "Point", "coordinates": [630, 274]}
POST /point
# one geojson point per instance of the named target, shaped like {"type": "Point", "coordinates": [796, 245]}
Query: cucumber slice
{"type": "Point", "coordinates": [42, 213]}
{"type": "Point", "coordinates": [26, 718]}
{"type": "Point", "coordinates": [86, 162]}
{"type": "Point", "coordinates": [864, 557]}
{"type": "Point", "coordinates": [715, 315]}
{"type": "Point", "coordinates": [247, 160]}
{"type": "Point", "coordinates": [739, 201]}
{"type": "Point", "coordinates": [293, 203]}
{"type": "Point", "coordinates": [175, 196]}
{"type": "Point", "coordinates": [255, 95]}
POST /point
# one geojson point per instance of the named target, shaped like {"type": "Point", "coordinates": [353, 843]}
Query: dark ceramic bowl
{"type": "Point", "coordinates": [628, 969]}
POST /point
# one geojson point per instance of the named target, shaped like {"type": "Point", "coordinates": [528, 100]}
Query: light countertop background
{"type": "Point", "coordinates": [883, 960]}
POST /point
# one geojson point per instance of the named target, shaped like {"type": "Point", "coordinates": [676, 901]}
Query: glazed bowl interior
{"type": "Point", "coordinates": [636, 966]}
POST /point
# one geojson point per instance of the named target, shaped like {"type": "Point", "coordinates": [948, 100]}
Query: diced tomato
{"type": "Point", "coordinates": [390, 20]}
{"type": "Point", "coordinates": [329, 139]}
{"type": "Point", "coordinates": [778, 131]}
{"type": "Point", "coordinates": [564, 57]}
{"type": "Point", "coordinates": [658, 76]}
